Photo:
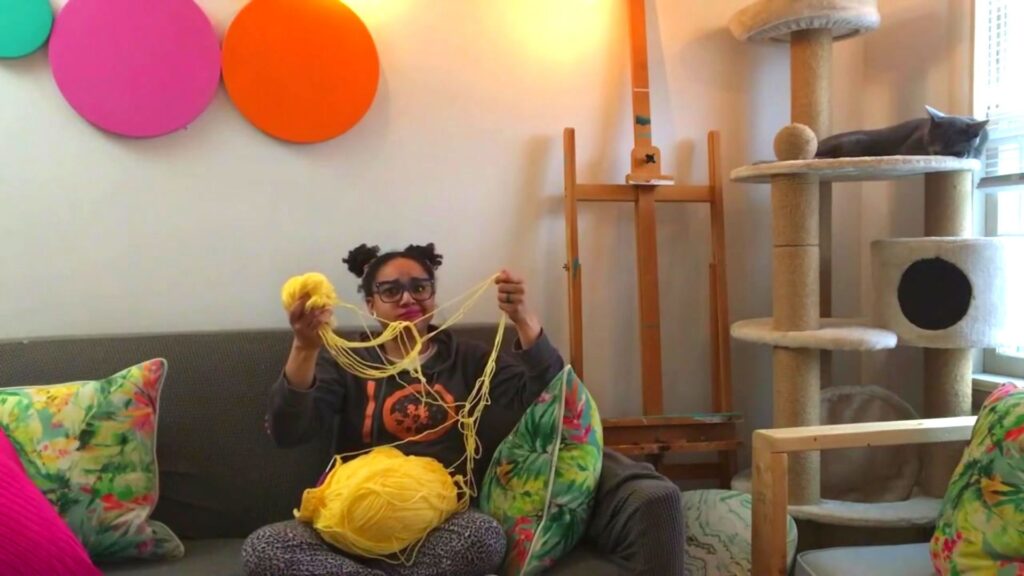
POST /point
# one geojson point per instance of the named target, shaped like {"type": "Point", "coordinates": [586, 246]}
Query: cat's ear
{"type": "Point", "coordinates": [935, 114]}
{"type": "Point", "coordinates": [978, 125]}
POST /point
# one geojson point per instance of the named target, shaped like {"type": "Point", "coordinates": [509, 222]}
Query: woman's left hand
{"type": "Point", "coordinates": [512, 301]}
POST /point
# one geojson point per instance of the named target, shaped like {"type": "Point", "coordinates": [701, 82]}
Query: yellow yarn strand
{"type": "Point", "coordinates": [384, 503]}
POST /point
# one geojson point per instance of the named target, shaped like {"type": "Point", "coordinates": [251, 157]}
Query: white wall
{"type": "Point", "coordinates": [462, 147]}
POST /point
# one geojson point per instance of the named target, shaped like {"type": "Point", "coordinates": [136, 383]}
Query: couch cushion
{"type": "Point", "coordinates": [638, 518]}
{"type": "Point", "coordinates": [902, 560]}
{"type": "Point", "coordinates": [202, 558]}
{"type": "Point", "coordinates": [587, 560]}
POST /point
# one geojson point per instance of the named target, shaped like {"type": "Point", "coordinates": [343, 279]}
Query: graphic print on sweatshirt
{"type": "Point", "coordinates": [406, 417]}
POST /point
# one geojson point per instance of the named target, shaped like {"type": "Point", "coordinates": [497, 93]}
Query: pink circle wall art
{"type": "Point", "coordinates": [135, 68]}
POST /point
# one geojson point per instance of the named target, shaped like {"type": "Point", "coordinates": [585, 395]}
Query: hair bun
{"type": "Point", "coordinates": [360, 257]}
{"type": "Point", "coordinates": [426, 253]}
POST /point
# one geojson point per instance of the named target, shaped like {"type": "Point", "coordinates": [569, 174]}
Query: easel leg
{"type": "Point", "coordinates": [650, 315]}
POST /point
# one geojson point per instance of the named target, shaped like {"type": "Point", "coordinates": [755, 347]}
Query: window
{"type": "Point", "coordinates": [999, 96]}
{"type": "Point", "coordinates": [998, 83]}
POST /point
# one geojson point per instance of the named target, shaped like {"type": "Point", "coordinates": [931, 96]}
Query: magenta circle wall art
{"type": "Point", "coordinates": [135, 68]}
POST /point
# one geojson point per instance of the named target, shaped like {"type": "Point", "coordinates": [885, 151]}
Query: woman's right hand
{"type": "Point", "coordinates": [307, 323]}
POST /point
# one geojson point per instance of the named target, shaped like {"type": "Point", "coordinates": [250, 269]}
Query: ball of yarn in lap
{"type": "Point", "coordinates": [381, 503]}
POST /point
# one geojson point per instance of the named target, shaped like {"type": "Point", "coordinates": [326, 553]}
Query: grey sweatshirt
{"type": "Point", "coordinates": [373, 413]}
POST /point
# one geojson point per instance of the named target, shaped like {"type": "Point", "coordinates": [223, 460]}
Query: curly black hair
{"type": "Point", "coordinates": [365, 261]}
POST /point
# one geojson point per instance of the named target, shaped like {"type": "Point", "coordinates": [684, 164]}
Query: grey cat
{"type": "Point", "coordinates": [938, 134]}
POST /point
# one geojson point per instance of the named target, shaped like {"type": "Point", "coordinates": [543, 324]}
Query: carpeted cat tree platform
{"type": "Point", "coordinates": [943, 292]}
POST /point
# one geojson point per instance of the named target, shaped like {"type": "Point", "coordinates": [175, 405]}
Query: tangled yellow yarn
{"type": "Point", "coordinates": [384, 503]}
{"type": "Point", "coordinates": [381, 504]}
{"type": "Point", "coordinates": [314, 284]}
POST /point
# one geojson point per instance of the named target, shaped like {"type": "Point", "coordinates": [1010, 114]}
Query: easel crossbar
{"type": "Point", "coordinates": [631, 193]}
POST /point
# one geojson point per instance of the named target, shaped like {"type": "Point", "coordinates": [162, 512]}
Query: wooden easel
{"type": "Point", "coordinates": [655, 435]}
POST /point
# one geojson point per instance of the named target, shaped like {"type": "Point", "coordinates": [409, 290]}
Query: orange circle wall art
{"type": "Point", "coordinates": [303, 71]}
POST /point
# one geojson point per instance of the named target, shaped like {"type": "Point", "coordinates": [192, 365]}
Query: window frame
{"type": "Point", "coordinates": [993, 362]}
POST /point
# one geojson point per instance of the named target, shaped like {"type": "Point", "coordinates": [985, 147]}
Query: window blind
{"type": "Point", "coordinates": [999, 82]}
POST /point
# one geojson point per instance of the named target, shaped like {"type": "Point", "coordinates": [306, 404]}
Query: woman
{"type": "Point", "coordinates": [314, 390]}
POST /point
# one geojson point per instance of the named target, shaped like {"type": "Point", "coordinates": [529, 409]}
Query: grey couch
{"type": "Point", "coordinates": [221, 477]}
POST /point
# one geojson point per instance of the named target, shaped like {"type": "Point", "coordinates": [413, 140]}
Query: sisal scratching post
{"type": "Point", "coordinates": [795, 288]}
{"type": "Point", "coordinates": [947, 372]}
{"type": "Point", "coordinates": [795, 263]}
{"type": "Point", "coordinates": [796, 373]}
{"type": "Point", "coordinates": [795, 302]}
{"type": "Point", "coordinates": [810, 54]}
{"type": "Point", "coordinates": [947, 392]}
{"type": "Point", "coordinates": [795, 210]}
{"type": "Point", "coordinates": [947, 203]}
{"type": "Point", "coordinates": [942, 366]}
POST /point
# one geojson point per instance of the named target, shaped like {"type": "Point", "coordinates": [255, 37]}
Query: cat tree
{"type": "Point", "coordinates": [917, 282]}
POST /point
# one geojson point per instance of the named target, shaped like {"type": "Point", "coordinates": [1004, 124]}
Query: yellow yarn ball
{"type": "Point", "coordinates": [314, 285]}
{"type": "Point", "coordinates": [380, 503]}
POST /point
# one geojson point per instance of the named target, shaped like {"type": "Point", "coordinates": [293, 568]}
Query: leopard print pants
{"type": "Point", "coordinates": [468, 544]}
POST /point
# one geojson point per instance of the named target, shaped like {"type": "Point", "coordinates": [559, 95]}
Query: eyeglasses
{"type": "Point", "coordinates": [389, 292]}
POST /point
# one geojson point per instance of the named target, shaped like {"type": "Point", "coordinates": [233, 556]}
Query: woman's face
{"type": "Point", "coordinates": [403, 290]}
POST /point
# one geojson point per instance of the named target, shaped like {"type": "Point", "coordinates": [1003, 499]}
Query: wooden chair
{"type": "Point", "coordinates": [771, 458]}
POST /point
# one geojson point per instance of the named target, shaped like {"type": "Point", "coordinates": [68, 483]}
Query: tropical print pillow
{"type": "Point", "coordinates": [981, 527]}
{"type": "Point", "coordinates": [90, 447]}
{"type": "Point", "coordinates": [541, 482]}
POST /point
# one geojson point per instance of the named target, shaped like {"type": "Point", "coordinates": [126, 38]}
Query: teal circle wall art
{"type": "Point", "coordinates": [24, 26]}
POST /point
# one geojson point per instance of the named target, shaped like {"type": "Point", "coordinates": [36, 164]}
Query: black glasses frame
{"type": "Point", "coordinates": [411, 287]}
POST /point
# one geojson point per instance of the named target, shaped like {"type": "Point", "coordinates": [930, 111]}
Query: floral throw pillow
{"type": "Point", "coordinates": [981, 526]}
{"type": "Point", "coordinates": [90, 447]}
{"type": "Point", "coordinates": [541, 482]}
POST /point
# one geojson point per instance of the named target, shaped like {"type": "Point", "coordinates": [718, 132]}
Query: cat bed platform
{"type": "Point", "coordinates": [916, 511]}
{"type": "Point", "coordinates": [862, 169]}
{"type": "Point", "coordinates": [949, 292]}
{"type": "Point", "coordinates": [833, 334]}
{"type": "Point", "coordinates": [777, 19]}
